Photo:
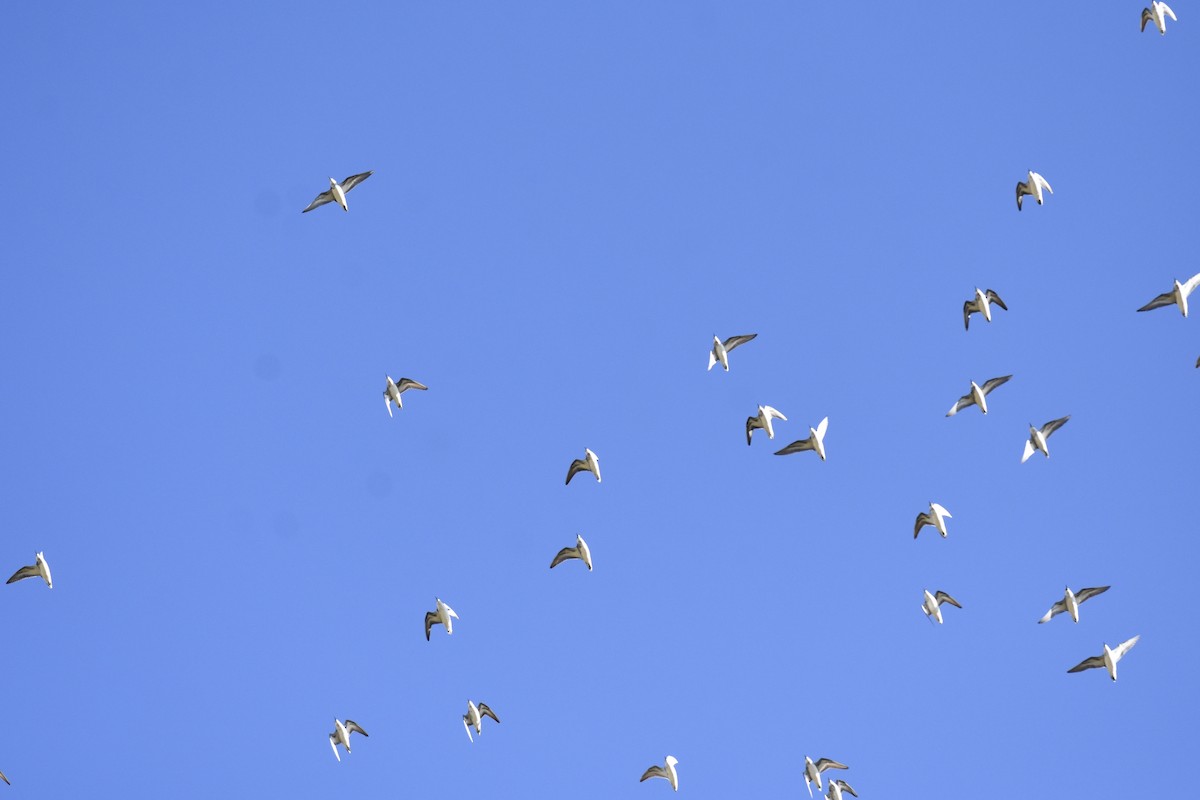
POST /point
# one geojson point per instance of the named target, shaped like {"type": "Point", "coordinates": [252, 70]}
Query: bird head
{"type": "Point", "coordinates": [672, 760]}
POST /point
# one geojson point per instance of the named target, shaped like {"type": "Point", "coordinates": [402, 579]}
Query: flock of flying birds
{"type": "Point", "coordinates": [982, 303]}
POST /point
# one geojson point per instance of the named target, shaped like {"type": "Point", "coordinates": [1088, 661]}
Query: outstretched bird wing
{"type": "Point", "coordinates": [1053, 425]}
{"type": "Point", "coordinates": [995, 298]}
{"type": "Point", "coordinates": [1164, 299]}
{"type": "Point", "coordinates": [1084, 594]}
{"type": "Point", "coordinates": [797, 446]}
{"type": "Point", "coordinates": [563, 555]}
{"type": "Point", "coordinates": [484, 711]}
{"type": "Point", "coordinates": [578, 465]}
{"type": "Point", "coordinates": [355, 180]}
{"type": "Point", "coordinates": [737, 341]}
{"type": "Point", "coordinates": [988, 386]}
{"type": "Point", "coordinates": [1088, 663]}
{"type": "Point", "coordinates": [942, 597]}
{"type": "Point", "coordinates": [318, 201]}
{"type": "Point", "coordinates": [1055, 610]}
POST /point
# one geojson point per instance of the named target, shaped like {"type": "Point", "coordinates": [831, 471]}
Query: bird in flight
{"type": "Point", "coordinates": [977, 396]}
{"type": "Point", "coordinates": [1038, 437]}
{"type": "Point", "coordinates": [982, 304]}
{"type": "Point", "coordinates": [932, 606]}
{"type": "Point", "coordinates": [337, 191]}
{"type": "Point", "coordinates": [1070, 603]}
{"type": "Point", "coordinates": [1034, 187]}
{"type": "Point", "coordinates": [580, 551]}
{"type": "Point", "coordinates": [763, 420]}
{"type": "Point", "coordinates": [474, 718]}
{"type": "Point", "coordinates": [935, 516]}
{"type": "Point", "coordinates": [1157, 13]}
{"type": "Point", "coordinates": [1177, 296]}
{"type": "Point", "coordinates": [39, 569]}
{"type": "Point", "coordinates": [720, 350]}
{"type": "Point", "coordinates": [815, 441]}
{"type": "Point", "coordinates": [442, 615]}
{"type": "Point", "coordinates": [667, 772]}
{"type": "Point", "coordinates": [341, 735]}
{"type": "Point", "coordinates": [589, 463]}
{"type": "Point", "coordinates": [1108, 659]}
{"type": "Point", "coordinates": [813, 770]}
{"type": "Point", "coordinates": [393, 390]}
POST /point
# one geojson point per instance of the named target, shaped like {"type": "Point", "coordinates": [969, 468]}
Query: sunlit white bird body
{"type": "Point", "coordinates": [1070, 602]}
{"type": "Point", "coordinates": [337, 191]}
{"type": "Point", "coordinates": [1033, 186]}
{"type": "Point", "coordinates": [393, 390]}
{"type": "Point", "coordinates": [1157, 13]}
{"type": "Point", "coordinates": [341, 735]}
{"type": "Point", "coordinates": [935, 516]}
{"type": "Point", "coordinates": [442, 615]}
{"type": "Point", "coordinates": [474, 718]}
{"type": "Point", "coordinates": [589, 463]}
{"type": "Point", "coordinates": [981, 304]}
{"type": "Point", "coordinates": [1038, 437]}
{"type": "Point", "coordinates": [1177, 296]}
{"type": "Point", "coordinates": [763, 420]}
{"type": "Point", "coordinates": [667, 771]}
{"type": "Point", "coordinates": [1108, 659]}
{"type": "Point", "coordinates": [815, 441]}
{"type": "Point", "coordinates": [580, 551]}
{"type": "Point", "coordinates": [932, 605]}
{"type": "Point", "coordinates": [813, 770]}
{"type": "Point", "coordinates": [977, 396]}
{"type": "Point", "coordinates": [39, 569]}
{"type": "Point", "coordinates": [720, 350]}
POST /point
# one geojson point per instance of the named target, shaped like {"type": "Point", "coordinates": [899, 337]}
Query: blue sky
{"type": "Point", "coordinates": [569, 201]}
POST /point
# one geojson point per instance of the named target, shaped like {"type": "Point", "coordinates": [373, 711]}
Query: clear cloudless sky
{"type": "Point", "coordinates": [569, 200]}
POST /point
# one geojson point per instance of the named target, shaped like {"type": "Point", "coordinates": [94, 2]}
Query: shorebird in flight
{"type": "Point", "coordinates": [1108, 659]}
{"type": "Point", "coordinates": [580, 551]}
{"type": "Point", "coordinates": [337, 191]}
{"type": "Point", "coordinates": [1177, 296]}
{"type": "Point", "coordinates": [443, 615]}
{"type": "Point", "coordinates": [1034, 187]}
{"type": "Point", "coordinates": [977, 396]}
{"type": "Point", "coordinates": [589, 463]}
{"type": "Point", "coordinates": [837, 787]}
{"type": "Point", "coordinates": [668, 772]}
{"type": "Point", "coordinates": [1038, 437]}
{"type": "Point", "coordinates": [932, 605]}
{"type": "Point", "coordinates": [763, 420]}
{"type": "Point", "coordinates": [813, 770]}
{"type": "Point", "coordinates": [981, 304]}
{"type": "Point", "coordinates": [1070, 603]}
{"type": "Point", "coordinates": [39, 569]}
{"type": "Point", "coordinates": [720, 350]}
{"type": "Point", "coordinates": [815, 441]}
{"type": "Point", "coordinates": [935, 516]}
{"type": "Point", "coordinates": [341, 735]}
{"type": "Point", "coordinates": [393, 390]}
{"type": "Point", "coordinates": [474, 718]}
{"type": "Point", "coordinates": [1157, 13]}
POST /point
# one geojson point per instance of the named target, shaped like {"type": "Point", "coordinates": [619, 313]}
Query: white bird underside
{"type": "Point", "coordinates": [1108, 659]}
{"type": "Point", "coordinates": [936, 516]}
{"type": "Point", "coordinates": [341, 735]}
{"type": "Point", "coordinates": [982, 304]}
{"type": "Point", "coordinates": [328, 196]}
{"type": "Point", "coordinates": [763, 421]}
{"type": "Point", "coordinates": [1157, 14]}
{"type": "Point", "coordinates": [1177, 296]}
{"type": "Point", "coordinates": [1038, 436]}
{"type": "Point", "coordinates": [813, 770]}
{"type": "Point", "coordinates": [1033, 186]}
{"type": "Point", "coordinates": [1063, 605]}
{"type": "Point", "coordinates": [720, 350]}
{"type": "Point", "coordinates": [977, 395]}
{"type": "Point", "coordinates": [474, 717]}
{"type": "Point", "coordinates": [393, 390]}
{"type": "Point", "coordinates": [442, 615]}
{"type": "Point", "coordinates": [815, 441]}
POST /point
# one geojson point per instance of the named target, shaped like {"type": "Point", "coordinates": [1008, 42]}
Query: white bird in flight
{"type": "Point", "coordinates": [837, 787]}
{"type": "Point", "coordinates": [813, 770]}
{"type": "Point", "coordinates": [720, 350]}
{"type": "Point", "coordinates": [1034, 187]}
{"type": "Point", "coordinates": [932, 605]}
{"type": "Point", "coordinates": [443, 615]}
{"type": "Point", "coordinates": [1157, 12]}
{"type": "Point", "coordinates": [474, 718]}
{"type": "Point", "coordinates": [815, 441]}
{"type": "Point", "coordinates": [1070, 603]}
{"type": "Point", "coordinates": [393, 390]}
{"type": "Point", "coordinates": [667, 772]}
{"type": "Point", "coordinates": [935, 516]}
{"type": "Point", "coordinates": [977, 395]}
{"type": "Point", "coordinates": [763, 420]}
{"type": "Point", "coordinates": [337, 191]}
{"type": "Point", "coordinates": [341, 735]}
{"type": "Point", "coordinates": [580, 551]}
{"type": "Point", "coordinates": [39, 569]}
{"type": "Point", "coordinates": [589, 463]}
{"type": "Point", "coordinates": [1108, 659]}
{"type": "Point", "coordinates": [1177, 296]}
{"type": "Point", "coordinates": [1038, 437]}
{"type": "Point", "coordinates": [981, 304]}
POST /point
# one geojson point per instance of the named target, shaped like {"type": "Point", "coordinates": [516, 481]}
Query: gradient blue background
{"type": "Point", "coordinates": [569, 201]}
